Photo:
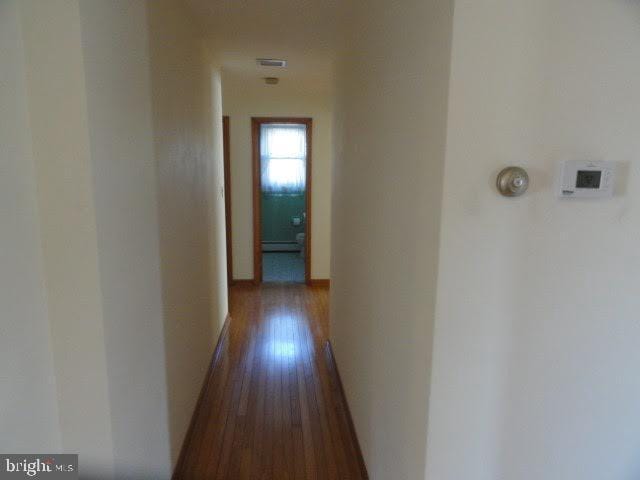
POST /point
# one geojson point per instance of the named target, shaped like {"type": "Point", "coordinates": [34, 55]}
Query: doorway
{"type": "Point", "coordinates": [281, 150]}
{"type": "Point", "coordinates": [226, 148]}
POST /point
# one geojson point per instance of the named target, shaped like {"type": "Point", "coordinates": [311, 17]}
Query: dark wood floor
{"type": "Point", "coordinates": [273, 406]}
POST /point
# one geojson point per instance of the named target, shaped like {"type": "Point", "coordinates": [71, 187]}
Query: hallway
{"type": "Point", "coordinates": [273, 407]}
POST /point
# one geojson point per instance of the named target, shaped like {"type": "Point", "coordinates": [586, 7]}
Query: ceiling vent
{"type": "Point", "coordinates": [271, 62]}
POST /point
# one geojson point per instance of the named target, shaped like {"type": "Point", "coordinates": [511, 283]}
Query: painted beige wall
{"type": "Point", "coordinates": [28, 403]}
{"type": "Point", "coordinates": [189, 175]}
{"type": "Point", "coordinates": [536, 346]}
{"type": "Point", "coordinates": [387, 188]}
{"type": "Point", "coordinates": [217, 225]}
{"type": "Point", "coordinates": [535, 341]}
{"type": "Point", "coordinates": [115, 48]}
{"type": "Point", "coordinates": [116, 226]}
{"type": "Point", "coordinates": [246, 96]}
{"type": "Point", "coordinates": [60, 143]}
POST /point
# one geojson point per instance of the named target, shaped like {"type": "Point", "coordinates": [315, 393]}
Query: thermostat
{"type": "Point", "coordinates": [586, 179]}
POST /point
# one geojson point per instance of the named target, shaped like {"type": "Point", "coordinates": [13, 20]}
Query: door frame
{"type": "Point", "coordinates": [226, 147]}
{"type": "Point", "coordinates": [256, 122]}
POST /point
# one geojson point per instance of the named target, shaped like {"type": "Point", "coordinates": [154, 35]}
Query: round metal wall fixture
{"type": "Point", "coordinates": [512, 181]}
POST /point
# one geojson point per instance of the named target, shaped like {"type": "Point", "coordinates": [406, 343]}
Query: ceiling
{"type": "Point", "coordinates": [306, 33]}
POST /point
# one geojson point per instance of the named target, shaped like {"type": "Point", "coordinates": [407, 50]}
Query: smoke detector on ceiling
{"type": "Point", "coordinates": [271, 80]}
{"type": "Point", "coordinates": [271, 62]}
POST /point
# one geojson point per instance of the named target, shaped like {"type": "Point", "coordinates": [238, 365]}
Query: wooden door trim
{"type": "Point", "coordinates": [226, 143]}
{"type": "Point", "coordinates": [256, 122]}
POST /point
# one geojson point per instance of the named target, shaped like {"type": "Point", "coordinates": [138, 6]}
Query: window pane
{"type": "Point", "coordinates": [283, 175]}
{"type": "Point", "coordinates": [283, 158]}
{"type": "Point", "coordinates": [283, 141]}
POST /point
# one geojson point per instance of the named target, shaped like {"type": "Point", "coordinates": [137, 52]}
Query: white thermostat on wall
{"type": "Point", "coordinates": [587, 179]}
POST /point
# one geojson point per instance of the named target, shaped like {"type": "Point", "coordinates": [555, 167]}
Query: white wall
{"type": "Point", "coordinates": [536, 347]}
{"type": "Point", "coordinates": [245, 96]}
{"type": "Point", "coordinates": [386, 217]}
{"type": "Point", "coordinates": [190, 178]}
{"type": "Point", "coordinates": [28, 403]}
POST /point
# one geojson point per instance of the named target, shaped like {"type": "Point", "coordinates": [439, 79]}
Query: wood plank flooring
{"type": "Point", "coordinates": [272, 407]}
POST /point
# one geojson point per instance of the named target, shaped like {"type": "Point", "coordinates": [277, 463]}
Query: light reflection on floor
{"type": "Point", "coordinates": [280, 349]}
{"type": "Point", "coordinates": [282, 340]}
